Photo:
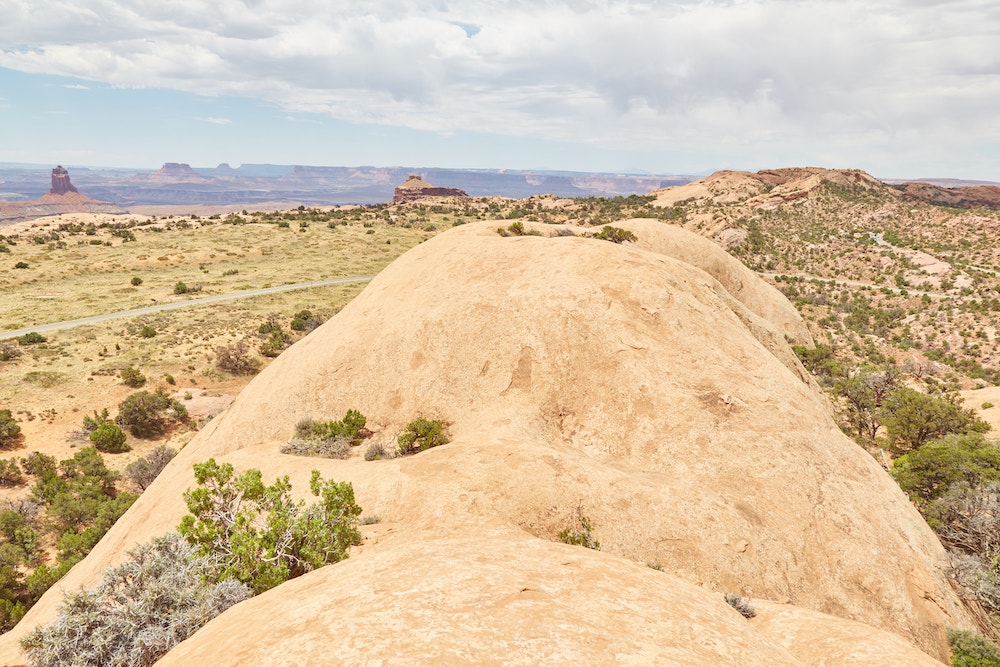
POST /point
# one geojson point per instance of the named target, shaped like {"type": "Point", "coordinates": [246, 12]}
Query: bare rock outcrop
{"type": "Point", "coordinates": [572, 372]}
{"type": "Point", "coordinates": [415, 188]}
{"type": "Point", "coordinates": [60, 182]}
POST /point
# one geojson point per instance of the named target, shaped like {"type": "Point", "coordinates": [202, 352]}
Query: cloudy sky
{"type": "Point", "coordinates": [901, 88]}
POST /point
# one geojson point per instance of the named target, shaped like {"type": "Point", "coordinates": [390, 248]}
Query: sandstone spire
{"type": "Point", "coordinates": [60, 182]}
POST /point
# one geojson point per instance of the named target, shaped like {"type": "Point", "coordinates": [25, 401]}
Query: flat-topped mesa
{"type": "Point", "coordinates": [416, 188]}
{"type": "Point", "coordinates": [60, 182]}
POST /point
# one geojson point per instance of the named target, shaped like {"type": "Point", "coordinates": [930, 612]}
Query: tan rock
{"type": "Point", "coordinates": [576, 372]}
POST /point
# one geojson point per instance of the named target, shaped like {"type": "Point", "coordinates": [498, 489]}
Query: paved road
{"type": "Point", "coordinates": [68, 324]}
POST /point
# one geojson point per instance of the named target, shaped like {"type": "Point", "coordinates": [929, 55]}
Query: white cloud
{"type": "Point", "coordinates": [656, 75]}
{"type": "Point", "coordinates": [216, 121]}
{"type": "Point", "coordinates": [76, 86]}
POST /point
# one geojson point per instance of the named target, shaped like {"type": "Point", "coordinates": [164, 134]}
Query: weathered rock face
{"type": "Point", "coordinates": [416, 188]}
{"type": "Point", "coordinates": [658, 395]}
{"type": "Point", "coordinates": [60, 182]}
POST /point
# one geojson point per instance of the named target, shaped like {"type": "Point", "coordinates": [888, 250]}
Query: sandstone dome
{"type": "Point", "coordinates": [659, 397]}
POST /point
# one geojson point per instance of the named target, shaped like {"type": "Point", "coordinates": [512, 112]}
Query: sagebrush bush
{"type": "Point", "coordinates": [140, 610]}
{"type": "Point", "coordinates": [376, 451]}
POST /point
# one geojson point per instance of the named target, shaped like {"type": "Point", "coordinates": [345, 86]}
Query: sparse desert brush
{"type": "Point", "coordinates": [328, 439]}
{"type": "Point", "coordinates": [615, 235]}
{"type": "Point", "coordinates": [10, 430]}
{"type": "Point", "coordinates": [149, 414]}
{"type": "Point", "coordinates": [421, 434]}
{"type": "Point", "coordinates": [235, 358]}
{"type": "Point", "coordinates": [144, 470]}
{"type": "Point", "coordinates": [10, 473]}
{"type": "Point", "coordinates": [376, 452]}
{"type": "Point", "coordinates": [142, 608]}
{"type": "Point", "coordinates": [132, 377]}
{"type": "Point", "coordinates": [8, 352]}
{"type": "Point", "coordinates": [741, 604]}
{"type": "Point", "coordinates": [582, 535]}
{"type": "Point", "coordinates": [31, 338]}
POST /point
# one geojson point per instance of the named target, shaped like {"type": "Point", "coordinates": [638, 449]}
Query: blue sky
{"type": "Point", "coordinates": [900, 88]}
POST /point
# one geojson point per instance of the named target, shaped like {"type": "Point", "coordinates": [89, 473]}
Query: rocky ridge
{"type": "Point", "coordinates": [649, 383]}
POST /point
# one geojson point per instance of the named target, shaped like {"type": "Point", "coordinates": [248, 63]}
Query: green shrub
{"type": "Point", "coordinates": [275, 343]}
{"type": "Point", "coordinates": [148, 415]}
{"type": "Point", "coordinates": [39, 465]}
{"type": "Point", "coordinates": [143, 471]}
{"type": "Point", "coordinates": [258, 534]}
{"type": "Point", "coordinates": [912, 418]}
{"type": "Point", "coordinates": [136, 281]}
{"type": "Point", "coordinates": [329, 439]}
{"type": "Point", "coordinates": [181, 288]}
{"type": "Point", "coordinates": [986, 406]}
{"type": "Point", "coordinates": [969, 649]}
{"type": "Point", "coordinates": [421, 434]}
{"type": "Point", "coordinates": [21, 265]}
{"type": "Point", "coordinates": [141, 609]}
{"type": "Point", "coordinates": [91, 424]}
{"type": "Point", "coordinates": [132, 377]}
{"type": "Point", "coordinates": [10, 473]}
{"type": "Point", "coordinates": [147, 331]}
{"type": "Point", "coordinates": [109, 438]}
{"type": "Point", "coordinates": [927, 473]}
{"type": "Point", "coordinates": [31, 338]}
{"type": "Point", "coordinates": [10, 431]}
{"type": "Point", "coordinates": [8, 352]}
{"type": "Point", "coordinates": [615, 235]}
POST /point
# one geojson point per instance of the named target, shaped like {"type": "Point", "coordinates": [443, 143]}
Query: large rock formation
{"type": "Point", "coordinates": [416, 188]}
{"type": "Point", "coordinates": [63, 197]}
{"type": "Point", "coordinates": [657, 396]}
{"type": "Point", "coordinates": [60, 182]}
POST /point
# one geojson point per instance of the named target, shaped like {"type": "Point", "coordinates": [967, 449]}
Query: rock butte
{"type": "Point", "coordinates": [62, 197]}
{"type": "Point", "coordinates": [415, 188]}
{"type": "Point", "coordinates": [658, 395]}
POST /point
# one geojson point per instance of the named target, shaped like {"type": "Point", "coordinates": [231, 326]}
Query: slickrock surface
{"type": "Point", "coordinates": [573, 373]}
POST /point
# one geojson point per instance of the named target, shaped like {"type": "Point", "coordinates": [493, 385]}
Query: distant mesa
{"type": "Point", "coordinates": [416, 188]}
{"type": "Point", "coordinates": [63, 197]}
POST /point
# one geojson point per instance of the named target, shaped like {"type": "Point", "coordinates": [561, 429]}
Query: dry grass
{"type": "Point", "coordinates": [54, 384]}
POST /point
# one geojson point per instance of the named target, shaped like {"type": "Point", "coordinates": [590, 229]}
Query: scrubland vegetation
{"type": "Point", "coordinates": [903, 301]}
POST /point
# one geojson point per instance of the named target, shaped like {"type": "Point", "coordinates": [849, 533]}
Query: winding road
{"type": "Point", "coordinates": [175, 305]}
